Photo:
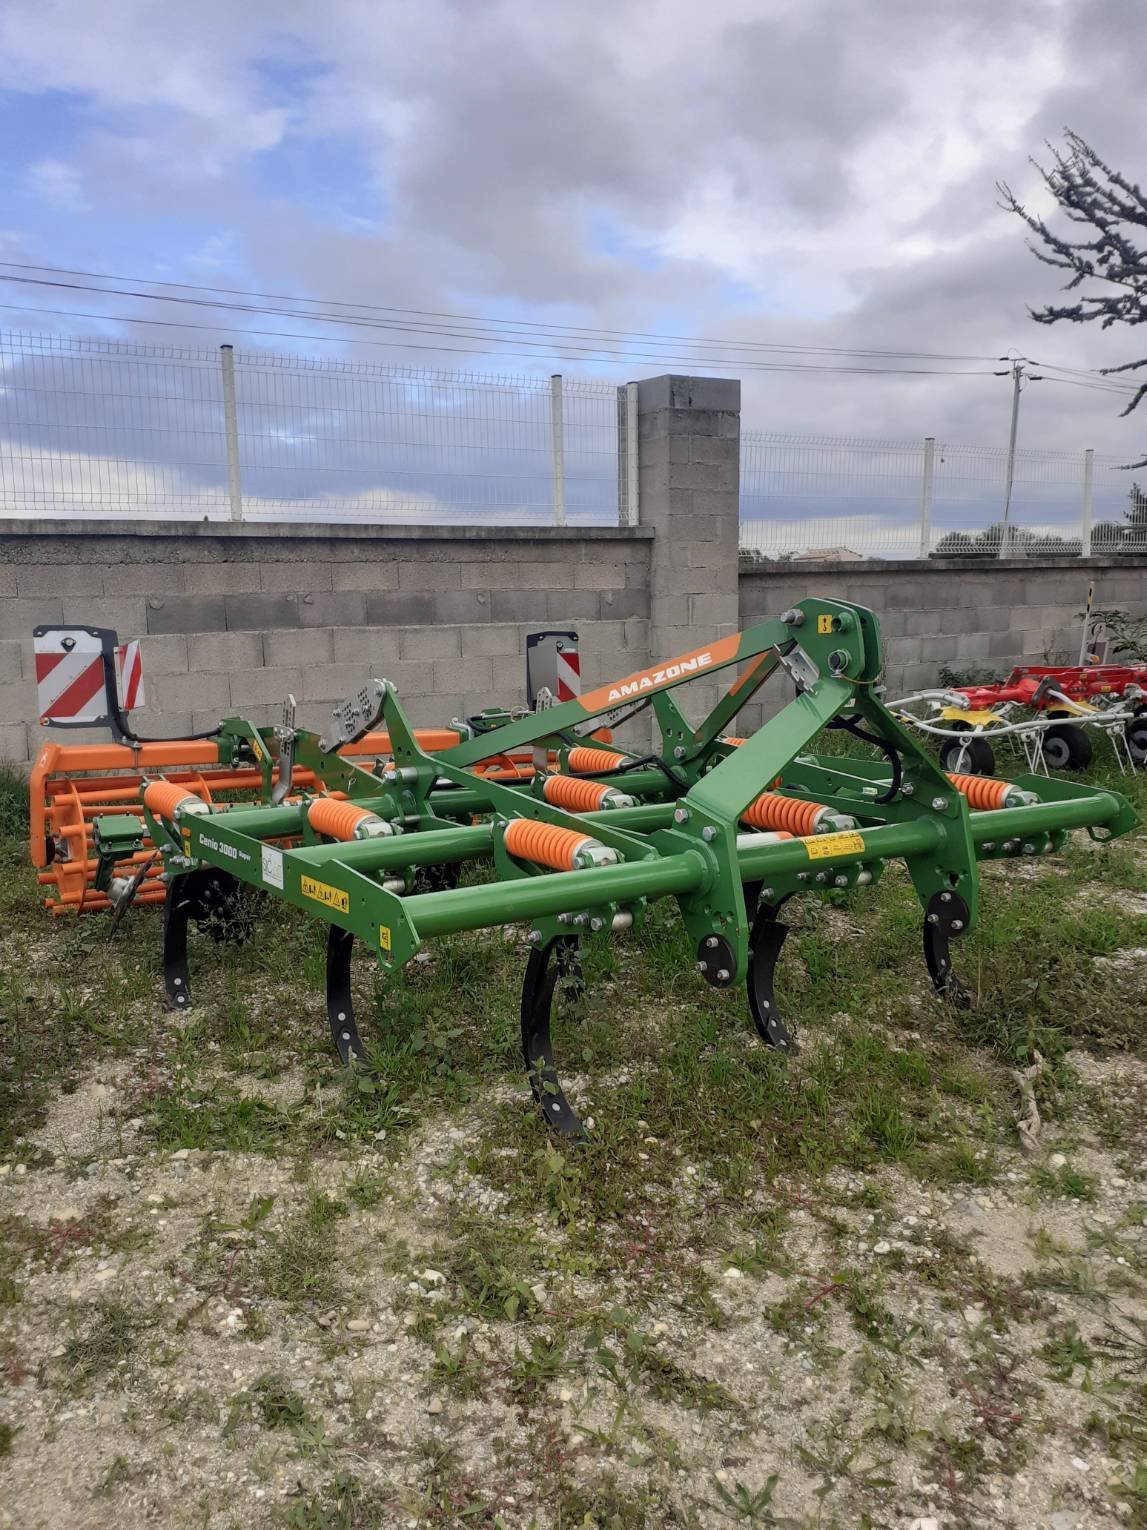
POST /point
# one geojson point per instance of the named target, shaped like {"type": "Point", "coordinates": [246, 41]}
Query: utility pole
{"type": "Point", "coordinates": [1018, 376]}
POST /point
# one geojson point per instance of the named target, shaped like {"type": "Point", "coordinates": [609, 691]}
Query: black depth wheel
{"type": "Point", "coordinates": [1136, 735]}
{"type": "Point", "coordinates": [972, 756]}
{"type": "Point", "coordinates": [1066, 746]}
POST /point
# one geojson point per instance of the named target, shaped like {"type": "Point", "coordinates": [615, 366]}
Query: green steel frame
{"type": "Point", "coordinates": [683, 839]}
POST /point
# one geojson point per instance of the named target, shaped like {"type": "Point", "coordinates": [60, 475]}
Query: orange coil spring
{"type": "Point", "coordinates": [544, 843]}
{"type": "Point", "coordinates": [162, 798]}
{"type": "Point", "coordinates": [982, 792]}
{"type": "Point", "coordinates": [578, 796]}
{"type": "Point", "coordinates": [591, 762]}
{"type": "Point", "coordinates": [339, 820]}
{"type": "Point", "coordinates": [731, 738]}
{"type": "Point", "coordinates": [770, 811]}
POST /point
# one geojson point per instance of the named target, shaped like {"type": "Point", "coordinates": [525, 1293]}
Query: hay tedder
{"type": "Point", "coordinates": [1051, 713]}
{"type": "Point", "coordinates": [582, 837]}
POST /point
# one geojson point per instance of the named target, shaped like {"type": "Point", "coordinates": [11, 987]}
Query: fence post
{"type": "Point", "coordinates": [1088, 502]}
{"type": "Point", "coordinates": [628, 508]}
{"type": "Point", "coordinates": [557, 446]}
{"type": "Point", "coordinates": [926, 479]}
{"type": "Point", "coordinates": [231, 426]}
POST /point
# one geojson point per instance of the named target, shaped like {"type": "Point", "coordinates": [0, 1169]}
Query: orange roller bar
{"type": "Point", "coordinates": [165, 798]}
{"type": "Point", "coordinates": [338, 820]}
{"type": "Point", "coordinates": [591, 762]}
{"type": "Point", "coordinates": [576, 795]}
{"type": "Point", "coordinates": [982, 792]}
{"type": "Point", "coordinates": [771, 811]}
{"type": "Point", "coordinates": [545, 843]}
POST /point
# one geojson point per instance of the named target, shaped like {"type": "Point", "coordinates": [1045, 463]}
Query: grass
{"type": "Point", "coordinates": [595, 1271]}
{"type": "Point", "coordinates": [103, 1344]}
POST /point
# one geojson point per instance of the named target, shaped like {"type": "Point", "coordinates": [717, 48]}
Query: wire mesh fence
{"type": "Point", "coordinates": [841, 498]}
{"type": "Point", "coordinates": [100, 427]}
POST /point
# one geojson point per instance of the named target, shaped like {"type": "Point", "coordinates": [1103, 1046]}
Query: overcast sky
{"type": "Point", "coordinates": [806, 171]}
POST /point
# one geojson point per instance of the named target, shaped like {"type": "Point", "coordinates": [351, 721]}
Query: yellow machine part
{"type": "Point", "coordinates": [978, 718]}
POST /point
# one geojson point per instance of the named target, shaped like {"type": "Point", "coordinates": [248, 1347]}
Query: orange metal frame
{"type": "Point", "coordinates": [73, 784]}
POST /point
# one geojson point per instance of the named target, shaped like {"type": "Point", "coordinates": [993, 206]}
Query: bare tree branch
{"type": "Point", "coordinates": [1094, 196]}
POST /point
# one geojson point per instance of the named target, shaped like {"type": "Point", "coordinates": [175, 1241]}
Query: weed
{"type": "Point", "coordinates": [104, 1347]}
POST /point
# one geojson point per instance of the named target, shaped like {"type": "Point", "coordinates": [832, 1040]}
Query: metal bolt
{"type": "Point", "coordinates": [535, 936]}
{"type": "Point", "coordinates": [957, 924]}
{"type": "Point", "coordinates": [679, 752]}
{"type": "Point", "coordinates": [841, 880]}
{"type": "Point", "coordinates": [1029, 848]}
{"type": "Point", "coordinates": [793, 618]}
{"type": "Point", "coordinates": [1010, 845]}
{"type": "Point", "coordinates": [933, 919]}
{"type": "Point", "coordinates": [711, 942]}
{"type": "Point", "coordinates": [908, 790]}
{"type": "Point", "coordinates": [945, 897]}
{"type": "Point", "coordinates": [767, 894]}
{"type": "Point", "coordinates": [820, 876]}
{"type": "Point", "coordinates": [708, 834]}
{"type": "Point", "coordinates": [939, 804]}
{"type": "Point", "coordinates": [565, 918]}
{"type": "Point", "coordinates": [596, 923]}
{"type": "Point", "coordinates": [989, 845]}
{"type": "Point", "coordinates": [681, 815]}
{"type": "Point", "coordinates": [581, 919]}
{"type": "Point", "coordinates": [702, 966]}
{"type": "Point", "coordinates": [722, 974]}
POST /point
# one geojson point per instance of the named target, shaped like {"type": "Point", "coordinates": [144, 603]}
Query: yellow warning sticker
{"type": "Point", "coordinates": [324, 893]}
{"type": "Point", "coordinates": [821, 847]}
{"type": "Point", "coordinates": [384, 937]}
{"type": "Point", "coordinates": [824, 623]}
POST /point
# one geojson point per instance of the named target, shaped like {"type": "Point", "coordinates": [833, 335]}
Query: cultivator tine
{"type": "Point", "coordinates": [765, 943]}
{"type": "Point", "coordinates": [550, 969]}
{"type": "Point", "coordinates": [340, 1001]}
{"type": "Point", "coordinates": [946, 915]}
{"type": "Point", "coordinates": [181, 903]}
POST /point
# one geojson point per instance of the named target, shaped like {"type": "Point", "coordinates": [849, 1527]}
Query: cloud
{"type": "Point", "coordinates": [58, 184]}
{"type": "Point", "coordinates": [807, 171]}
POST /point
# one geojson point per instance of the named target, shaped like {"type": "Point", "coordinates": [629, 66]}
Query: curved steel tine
{"type": "Point", "coordinates": [180, 904]}
{"type": "Point", "coordinates": [340, 1000]}
{"type": "Point", "coordinates": [944, 911]}
{"type": "Point", "coordinates": [765, 942]}
{"type": "Point", "coordinates": [546, 968]}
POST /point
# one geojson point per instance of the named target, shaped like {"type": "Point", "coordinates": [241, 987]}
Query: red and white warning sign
{"type": "Point", "coordinates": [553, 669]}
{"type": "Point", "coordinates": [568, 671]}
{"type": "Point", "coordinates": [129, 675]}
{"type": "Point", "coordinates": [73, 669]}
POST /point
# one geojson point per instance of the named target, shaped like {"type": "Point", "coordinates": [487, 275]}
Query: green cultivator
{"type": "Point", "coordinates": [731, 828]}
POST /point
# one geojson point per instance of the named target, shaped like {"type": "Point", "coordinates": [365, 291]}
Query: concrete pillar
{"type": "Point", "coordinates": [689, 464]}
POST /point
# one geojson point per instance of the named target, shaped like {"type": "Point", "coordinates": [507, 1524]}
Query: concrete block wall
{"type": "Point", "coordinates": [962, 613]}
{"type": "Point", "coordinates": [235, 617]}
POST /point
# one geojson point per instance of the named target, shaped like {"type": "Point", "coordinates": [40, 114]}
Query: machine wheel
{"type": "Point", "coordinates": [1066, 746]}
{"type": "Point", "coordinates": [1136, 736]}
{"type": "Point", "coordinates": [968, 757]}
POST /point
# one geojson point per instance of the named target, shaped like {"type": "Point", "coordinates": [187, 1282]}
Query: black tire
{"type": "Point", "coordinates": [1066, 746]}
{"type": "Point", "coordinates": [1136, 735]}
{"type": "Point", "coordinates": [968, 757]}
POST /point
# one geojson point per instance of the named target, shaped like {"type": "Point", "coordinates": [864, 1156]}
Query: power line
{"type": "Point", "coordinates": [529, 325]}
{"type": "Point", "coordinates": [706, 363]}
